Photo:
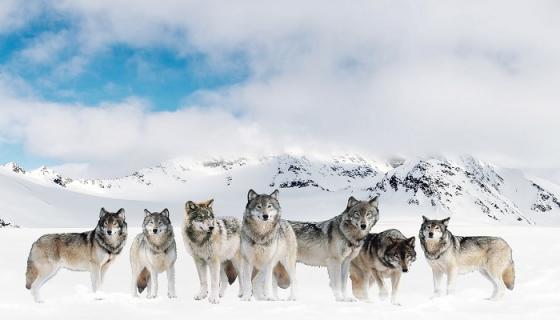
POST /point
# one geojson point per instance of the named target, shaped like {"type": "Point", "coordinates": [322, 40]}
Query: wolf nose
{"type": "Point", "coordinates": [109, 232]}
{"type": "Point", "coordinates": [265, 217]}
{"type": "Point", "coordinates": [363, 226]}
{"type": "Point", "coordinates": [211, 228]}
{"type": "Point", "coordinates": [431, 234]}
{"type": "Point", "coordinates": [155, 230]}
{"type": "Point", "coordinates": [404, 270]}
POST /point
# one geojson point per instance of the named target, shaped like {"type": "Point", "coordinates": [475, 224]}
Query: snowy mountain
{"type": "Point", "coordinates": [463, 187]}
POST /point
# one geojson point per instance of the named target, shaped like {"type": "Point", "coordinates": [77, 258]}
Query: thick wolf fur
{"type": "Point", "coordinates": [153, 251]}
{"type": "Point", "coordinates": [214, 244]}
{"type": "Point", "coordinates": [384, 255]}
{"type": "Point", "coordinates": [336, 242]}
{"type": "Point", "coordinates": [452, 255]}
{"type": "Point", "coordinates": [92, 251]}
{"type": "Point", "coordinates": [269, 245]}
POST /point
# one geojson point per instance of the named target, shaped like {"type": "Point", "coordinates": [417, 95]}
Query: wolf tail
{"type": "Point", "coordinates": [30, 274]}
{"type": "Point", "coordinates": [509, 276]}
{"type": "Point", "coordinates": [281, 275]}
{"type": "Point", "coordinates": [142, 280]}
{"type": "Point", "coordinates": [230, 271]}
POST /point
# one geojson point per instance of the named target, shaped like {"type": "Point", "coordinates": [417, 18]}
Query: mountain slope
{"type": "Point", "coordinates": [463, 187]}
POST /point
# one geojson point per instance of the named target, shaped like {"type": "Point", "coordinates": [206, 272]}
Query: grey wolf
{"type": "Point", "coordinates": [452, 255]}
{"type": "Point", "coordinates": [152, 252]}
{"type": "Point", "coordinates": [336, 242]}
{"type": "Point", "coordinates": [267, 242]}
{"type": "Point", "coordinates": [92, 251]}
{"type": "Point", "coordinates": [384, 255]}
{"type": "Point", "coordinates": [214, 244]}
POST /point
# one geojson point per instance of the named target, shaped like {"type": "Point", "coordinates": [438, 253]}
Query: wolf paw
{"type": "Point", "coordinates": [214, 300]}
{"type": "Point", "coordinates": [245, 298]}
{"type": "Point", "coordinates": [347, 299]}
{"type": "Point", "coordinates": [395, 302]}
{"type": "Point", "coordinates": [383, 294]}
{"type": "Point", "coordinates": [201, 296]}
{"type": "Point", "coordinates": [151, 296]}
{"type": "Point", "coordinates": [171, 296]}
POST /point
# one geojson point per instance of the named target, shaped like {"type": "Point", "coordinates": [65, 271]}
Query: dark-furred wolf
{"type": "Point", "coordinates": [92, 251]}
{"type": "Point", "coordinates": [266, 242]}
{"type": "Point", "coordinates": [336, 242]}
{"type": "Point", "coordinates": [214, 244]}
{"type": "Point", "coordinates": [452, 255]}
{"type": "Point", "coordinates": [153, 251]}
{"type": "Point", "coordinates": [384, 255]}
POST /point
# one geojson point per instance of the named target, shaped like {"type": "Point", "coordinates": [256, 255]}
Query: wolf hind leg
{"type": "Point", "coordinates": [44, 273]}
{"type": "Point", "coordinates": [497, 282]}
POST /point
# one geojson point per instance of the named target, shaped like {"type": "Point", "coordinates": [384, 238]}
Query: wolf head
{"type": "Point", "coordinates": [156, 223]}
{"type": "Point", "coordinates": [400, 253]}
{"type": "Point", "coordinates": [263, 207]}
{"type": "Point", "coordinates": [433, 229]}
{"type": "Point", "coordinates": [362, 215]}
{"type": "Point", "coordinates": [200, 215]}
{"type": "Point", "coordinates": [112, 225]}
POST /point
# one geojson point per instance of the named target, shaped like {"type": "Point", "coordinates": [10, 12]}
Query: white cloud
{"type": "Point", "coordinates": [378, 77]}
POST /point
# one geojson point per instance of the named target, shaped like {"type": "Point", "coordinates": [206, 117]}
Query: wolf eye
{"type": "Point", "coordinates": [269, 206]}
{"type": "Point", "coordinates": [259, 206]}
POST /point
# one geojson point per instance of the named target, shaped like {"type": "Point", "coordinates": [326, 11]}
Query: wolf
{"type": "Point", "coordinates": [214, 244]}
{"type": "Point", "coordinates": [152, 252]}
{"type": "Point", "coordinates": [268, 243]}
{"type": "Point", "coordinates": [452, 255]}
{"type": "Point", "coordinates": [336, 242]}
{"type": "Point", "coordinates": [92, 251]}
{"type": "Point", "coordinates": [384, 255]}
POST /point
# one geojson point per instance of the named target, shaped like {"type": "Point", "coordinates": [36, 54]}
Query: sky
{"type": "Point", "coordinates": [102, 88]}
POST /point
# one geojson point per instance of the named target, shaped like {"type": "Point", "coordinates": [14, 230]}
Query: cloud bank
{"type": "Point", "coordinates": [374, 77]}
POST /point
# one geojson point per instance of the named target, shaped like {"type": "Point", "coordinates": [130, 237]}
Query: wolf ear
{"type": "Point", "coordinates": [146, 212]}
{"type": "Point", "coordinates": [274, 194]}
{"type": "Point", "coordinates": [102, 213]}
{"type": "Point", "coordinates": [209, 203]}
{"type": "Point", "coordinates": [120, 213]}
{"type": "Point", "coordinates": [165, 213]}
{"type": "Point", "coordinates": [352, 202]}
{"type": "Point", "coordinates": [189, 206]}
{"type": "Point", "coordinates": [410, 241]}
{"type": "Point", "coordinates": [425, 219]}
{"type": "Point", "coordinates": [446, 221]}
{"type": "Point", "coordinates": [375, 201]}
{"type": "Point", "coordinates": [251, 195]}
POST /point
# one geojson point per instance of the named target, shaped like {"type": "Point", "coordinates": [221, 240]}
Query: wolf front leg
{"type": "Point", "coordinates": [438, 278]}
{"type": "Point", "coordinates": [334, 268]}
{"type": "Point", "coordinates": [214, 267]}
{"type": "Point", "coordinates": [152, 294]}
{"type": "Point", "coordinates": [344, 273]}
{"type": "Point", "coordinates": [95, 274]}
{"type": "Point", "coordinates": [267, 281]}
{"type": "Point", "coordinates": [395, 284]}
{"type": "Point", "coordinates": [246, 275]}
{"type": "Point", "coordinates": [201, 268]}
{"type": "Point", "coordinates": [451, 279]}
{"type": "Point", "coordinates": [171, 282]}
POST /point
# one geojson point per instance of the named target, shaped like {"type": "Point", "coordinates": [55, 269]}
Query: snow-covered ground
{"type": "Point", "coordinates": [482, 200]}
{"type": "Point", "coordinates": [68, 294]}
